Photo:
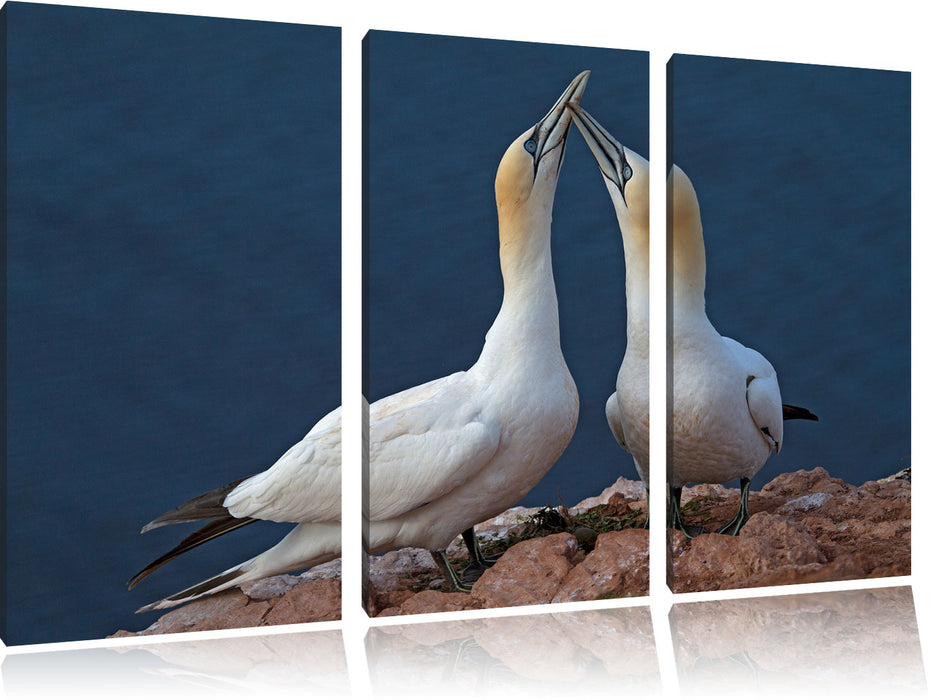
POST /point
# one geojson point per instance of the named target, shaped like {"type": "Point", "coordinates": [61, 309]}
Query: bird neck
{"type": "Point", "coordinates": [687, 269]}
{"type": "Point", "coordinates": [527, 325]}
{"type": "Point", "coordinates": [636, 277]}
{"type": "Point", "coordinates": [686, 257]}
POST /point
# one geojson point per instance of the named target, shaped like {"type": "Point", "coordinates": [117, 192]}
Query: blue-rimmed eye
{"type": "Point", "coordinates": [627, 172]}
{"type": "Point", "coordinates": [530, 146]}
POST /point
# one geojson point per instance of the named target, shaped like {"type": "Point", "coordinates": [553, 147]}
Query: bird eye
{"type": "Point", "coordinates": [530, 146]}
{"type": "Point", "coordinates": [627, 172]}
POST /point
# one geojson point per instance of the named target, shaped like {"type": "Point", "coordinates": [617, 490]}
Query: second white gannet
{"type": "Point", "coordinates": [443, 455]}
{"type": "Point", "coordinates": [627, 177]}
{"type": "Point", "coordinates": [726, 415]}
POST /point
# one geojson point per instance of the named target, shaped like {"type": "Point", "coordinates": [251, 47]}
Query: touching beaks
{"type": "Point", "coordinates": [551, 131]}
{"type": "Point", "coordinates": [608, 152]}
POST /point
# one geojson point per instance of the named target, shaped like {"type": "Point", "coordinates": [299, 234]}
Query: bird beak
{"type": "Point", "coordinates": [607, 150]}
{"type": "Point", "coordinates": [551, 131]}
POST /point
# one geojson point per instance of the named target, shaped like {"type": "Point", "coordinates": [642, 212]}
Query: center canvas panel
{"type": "Point", "coordinates": [496, 324]}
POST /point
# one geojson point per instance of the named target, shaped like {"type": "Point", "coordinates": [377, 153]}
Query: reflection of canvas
{"type": "Point", "coordinates": [795, 241]}
{"type": "Point", "coordinates": [435, 288]}
{"type": "Point", "coordinates": [552, 653]}
{"type": "Point", "coordinates": [172, 262]}
{"type": "Point", "coordinates": [788, 644]}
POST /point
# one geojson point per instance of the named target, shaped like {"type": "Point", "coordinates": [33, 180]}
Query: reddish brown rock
{"type": "Point", "coordinates": [768, 543]}
{"type": "Point", "coordinates": [616, 568]}
{"type": "Point", "coordinates": [806, 527]}
{"type": "Point", "coordinates": [316, 600]}
{"type": "Point", "coordinates": [273, 601]}
{"type": "Point", "coordinates": [436, 601]}
{"type": "Point", "coordinates": [802, 482]}
{"type": "Point", "coordinates": [225, 610]}
{"type": "Point", "coordinates": [398, 597]}
{"type": "Point", "coordinates": [528, 573]}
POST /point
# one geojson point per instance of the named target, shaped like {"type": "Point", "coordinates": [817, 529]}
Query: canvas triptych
{"type": "Point", "coordinates": [172, 249]}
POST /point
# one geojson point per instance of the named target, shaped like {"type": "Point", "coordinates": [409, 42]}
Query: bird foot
{"type": "Point", "coordinates": [454, 581]}
{"type": "Point", "coordinates": [472, 573]}
{"type": "Point", "coordinates": [489, 560]}
{"type": "Point", "coordinates": [690, 531]}
{"type": "Point", "coordinates": [733, 527]}
{"type": "Point", "coordinates": [461, 586]}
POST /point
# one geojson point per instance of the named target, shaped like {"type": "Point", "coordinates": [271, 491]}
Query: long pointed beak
{"type": "Point", "coordinates": [607, 150]}
{"type": "Point", "coordinates": [551, 131]}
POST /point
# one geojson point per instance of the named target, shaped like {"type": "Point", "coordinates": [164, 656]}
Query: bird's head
{"type": "Point", "coordinates": [528, 172]}
{"type": "Point", "coordinates": [626, 173]}
{"type": "Point", "coordinates": [682, 202]}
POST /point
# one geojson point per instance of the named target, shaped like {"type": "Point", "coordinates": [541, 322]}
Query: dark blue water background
{"type": "Point", "coordinates": [803, 178]}
{"type": "Point", "coordinates": [173, 307]}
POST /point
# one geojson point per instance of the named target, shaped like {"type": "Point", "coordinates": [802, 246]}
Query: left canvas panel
{"type": "Point", "coordinates": [171, 260]}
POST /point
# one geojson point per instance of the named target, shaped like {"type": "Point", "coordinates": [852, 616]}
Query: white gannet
{"type": "Point", "coordinates": [726, 416]}
{"type": "Point", "coordinates": [458, 450]}
{"type": "Point", "coordinates": [443, 455]}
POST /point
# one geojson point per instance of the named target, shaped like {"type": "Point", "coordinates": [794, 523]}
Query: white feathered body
{"type": "Point", "coordinates": [628, 408]}
{"type": "Point", "coordinates": [724, 394]}
{"type": "Point", "coordinates": [311, 466]}
{"type": "Point", "coordinates": [449, 454]}
{"type": "Point", "coordinates": [726, 414]}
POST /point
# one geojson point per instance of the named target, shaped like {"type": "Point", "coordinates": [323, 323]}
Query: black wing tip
{"type": "Point", "coordinates": [207, 506]}
{"type": "Point", "coordinates": [153, 524]}
{"type": "Point", "coordinates": [214, 529]}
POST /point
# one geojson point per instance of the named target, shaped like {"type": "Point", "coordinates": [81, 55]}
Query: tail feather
{"type": "Point", "coordinates": [208, 506]}
{"type": "Point", "coordinates": [216, 528]}
{"type": "Point", "coordinates": [215, 584]}
{"type": "Point", "coordinates": [306, 545]}
{"type": "Point", "coordinates": [797, 413]}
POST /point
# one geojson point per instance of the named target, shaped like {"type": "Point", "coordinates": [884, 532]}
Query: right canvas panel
{"type": "Point", "coordinates": [788, 323]}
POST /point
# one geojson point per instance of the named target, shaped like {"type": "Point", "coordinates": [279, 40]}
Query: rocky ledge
{"type": "Point", "coordinates": [315, 596]}
{"type": "Point", "coordinates": [594, 550]}
{"type": "Point", "coordinates": [806, 526]}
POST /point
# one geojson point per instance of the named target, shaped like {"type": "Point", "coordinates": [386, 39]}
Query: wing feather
{"type": "Point", "coordinates": [424, 449]}
{"type": "Point", "coordinates": [615, 420]}
{"type": "Point", "coordinates": [763, 393]}
{"type": "Point", "coordinates": [311, 467]}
